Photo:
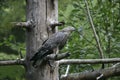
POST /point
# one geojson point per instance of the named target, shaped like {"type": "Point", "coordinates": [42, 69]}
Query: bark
{"type": "Point", "coordinates": [94, 75]}
{"type": "Point", "coordinates": [12, 62]}
{"type": "Point", "coordinates": [42, 12]}
{"type": "Point", "coordinates": [88, 61]}
{"type": "Point", "coordinates": [63, 61]}
{"type": "Point", "coordinates": [56, 56]}
{"type": "Point", "coordinates": [28, 24]}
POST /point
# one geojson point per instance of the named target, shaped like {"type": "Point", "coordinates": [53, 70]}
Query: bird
{"type": "Point", "coordinates": [54, 42]}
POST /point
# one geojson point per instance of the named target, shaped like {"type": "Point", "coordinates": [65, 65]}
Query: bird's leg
{"type": "Point", "coordinates": [51, 62]}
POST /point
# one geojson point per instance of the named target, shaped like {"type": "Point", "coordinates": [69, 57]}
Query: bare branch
{"type": "Point", "coordinates": [53, 24]}
{"type": "Point", "coordinates": [57, 56]}
{"type": "Point", "coordinates": [88, 61]}
{"type": "Point", "coordinates": [94, 31]}
{"type": "Point", "coordinates": [28, 24]}
{"type": "Point", "coordinates": [67, 71]}
{"type": "Point", "coordinates": [12, 62]}
{"type": "Point", "coordinates": [106, 73]}
{"type": "Point", "coordinates": [20, 53]}
{"type": "Point", "coordinates": [57, 24]}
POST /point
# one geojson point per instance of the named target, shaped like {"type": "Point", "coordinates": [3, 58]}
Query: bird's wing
{"type": "Point", "coordinates": [55, 40]}
{"type": "Point", "coordinates": [63, 42]}
{"type": "Point", "coordinates": [44, 41]}
{"type": "Point", "coordinates": [47, 48]}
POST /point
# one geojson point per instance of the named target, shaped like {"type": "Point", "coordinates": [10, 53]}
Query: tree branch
{"type": "Point", "coordinates": [54, 24]}
{"type": "Point", "coordinates": [12, 62]}
{"type": "Point", "coordinates": [94, 31]}
{"type": "Point", "coordinates": [21, 61]}
{"type": "Point", "coordinates": [94, 75]}
{"type": "Point", "coordinates": [88, 61]}
{"type": "Point", "coordinates": [28, 24]}
{"type": "Point", "coordinates": [57, 24]}
{"type": "Point", "coordinates": [57, 56]}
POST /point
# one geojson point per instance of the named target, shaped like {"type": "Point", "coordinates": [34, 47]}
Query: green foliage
{"type": "Point", "coordinates": [12, 73]}
{"type": "Point", "coordinates": [12, 40]}
{"type": "Point", "coordinates": [11, 11]}
{"type": "Point", "coordinates": [81, 45]}
{"type": "Point", "coordinates": [4, 56]}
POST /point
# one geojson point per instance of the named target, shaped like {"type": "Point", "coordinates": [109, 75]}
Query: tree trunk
{"type": "Point", "coordinates": [41, 12]}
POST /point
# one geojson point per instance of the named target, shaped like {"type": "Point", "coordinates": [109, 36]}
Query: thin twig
{"type": "Point", "coordinates": [20, 53]}
{"type": "Point", "coordinates": [94, 31]}
{"type": "Point", "coordinates": [67, 71]}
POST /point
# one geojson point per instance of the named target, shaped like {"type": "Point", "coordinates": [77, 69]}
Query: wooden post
{"type": "Point", "coordinates": [42, 13]}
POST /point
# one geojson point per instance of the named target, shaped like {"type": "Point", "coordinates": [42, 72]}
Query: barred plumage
{"type": "Point", "coordinates": [57, 40]}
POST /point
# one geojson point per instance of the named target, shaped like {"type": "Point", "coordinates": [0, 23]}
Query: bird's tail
{"type": "Point", "coordinates": [38, 57]}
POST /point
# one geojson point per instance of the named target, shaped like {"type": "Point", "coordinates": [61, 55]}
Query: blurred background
{"type": "Point", "coordinates": [81, 45]}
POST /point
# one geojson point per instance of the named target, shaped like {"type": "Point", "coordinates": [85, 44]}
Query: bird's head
{"type": "Point", "coordinates": [68, 29]}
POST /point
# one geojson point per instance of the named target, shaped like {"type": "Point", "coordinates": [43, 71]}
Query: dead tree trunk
{"type": "Point", "coordinates": [41, 12]}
